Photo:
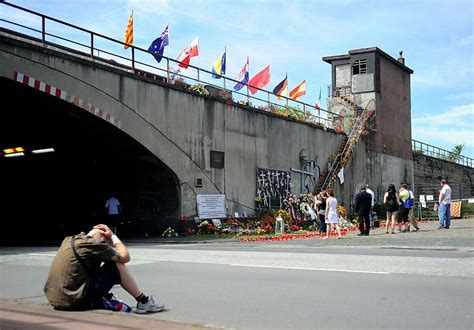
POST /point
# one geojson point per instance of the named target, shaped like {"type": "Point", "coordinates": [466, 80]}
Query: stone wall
{"type": "Point", "coordinates": [429, 171]}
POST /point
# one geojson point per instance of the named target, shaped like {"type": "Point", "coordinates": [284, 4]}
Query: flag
{"type": "Point", "coordinates": [243, 77]}
{"type": "Point", "coordinates": [185, 56]}
{"type": "Point", "coordinates": [218, 69]}
{"type": "Point", "coordinates": [128, 39]}
{"type": "Point", "coordinates": [318, 102]}
{"type": "Point", "coordinates": [282, 88]}
{"type": "Point", "coordinates": [340, 175]}
{"type": "Point", "coordinates": [157, 47]}
{"type": "Point", "coordinates": [260, 80]}
{"type": "Point", "coordinates": [298, 90]}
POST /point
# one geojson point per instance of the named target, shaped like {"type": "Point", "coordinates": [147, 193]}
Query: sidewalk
{"type": "Point", "coordinates": [19, 315]}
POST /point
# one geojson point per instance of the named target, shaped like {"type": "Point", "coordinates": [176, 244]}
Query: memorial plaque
{"type": "Point", "coordinates": [217, 159]}
{"type": "Point", "coordinates": [211, 206]}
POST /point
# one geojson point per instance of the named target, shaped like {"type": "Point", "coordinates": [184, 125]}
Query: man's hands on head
{"type": "Point", "coordinates": [106, 232]}
{"type": "Point", "coordinates": [122, 255]}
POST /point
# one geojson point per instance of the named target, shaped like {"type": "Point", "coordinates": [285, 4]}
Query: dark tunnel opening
{"type": "Point", "coordinates": [49, 195]}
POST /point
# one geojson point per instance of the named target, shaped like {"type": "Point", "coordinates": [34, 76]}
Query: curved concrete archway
{"type": "Point", "coordinates": [62, 192]}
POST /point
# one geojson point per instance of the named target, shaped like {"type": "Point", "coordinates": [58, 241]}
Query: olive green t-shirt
{"type": "Point", "coordinates": [67, 282]}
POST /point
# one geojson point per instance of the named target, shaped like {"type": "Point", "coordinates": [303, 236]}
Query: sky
{"type": "Point", "coordinates": [436, 36]}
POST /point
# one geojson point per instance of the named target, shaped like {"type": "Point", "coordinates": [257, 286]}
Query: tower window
{"type": "Point", "coordinates": [359, 67]}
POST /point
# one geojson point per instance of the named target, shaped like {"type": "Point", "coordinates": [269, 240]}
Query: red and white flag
{"type": "Point", "coordinates": [185, 56]}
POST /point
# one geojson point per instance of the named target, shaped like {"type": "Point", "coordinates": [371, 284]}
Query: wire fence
{"type": "Point", "coordinates": [50, 31]}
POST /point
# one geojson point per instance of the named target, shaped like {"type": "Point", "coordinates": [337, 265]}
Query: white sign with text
{"type": "Point", "coordinates": [211, 206]}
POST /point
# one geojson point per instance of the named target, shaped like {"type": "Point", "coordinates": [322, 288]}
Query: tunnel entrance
{"type": "Point", "coordinates": [46, 196]}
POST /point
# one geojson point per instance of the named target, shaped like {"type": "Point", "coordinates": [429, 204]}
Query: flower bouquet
{"type": "Point", "coordinates": [169, 232]}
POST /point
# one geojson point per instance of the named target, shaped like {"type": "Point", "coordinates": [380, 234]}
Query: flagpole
{"type": "Point", "coordinates": [199, 60]}
{"type": "Point", "coordinates": [286, 97]}
{"type": "Point", "coordinates": [248, 68]}
{"type": "Point", "coordinates": [225, 52]}
{"type": "Point", "coordinates": [319, 105]}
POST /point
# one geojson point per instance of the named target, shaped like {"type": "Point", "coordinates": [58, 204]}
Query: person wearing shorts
{"type": "Point", "coordinates": [85, 269]}
{"type": "Point", "coordinates": [403, 213]}
{"type": "Point", "coordinates": [391, 201]}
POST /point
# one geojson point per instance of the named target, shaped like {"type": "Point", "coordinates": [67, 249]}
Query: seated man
{"type": "Point", "coordinates": [77, 281]}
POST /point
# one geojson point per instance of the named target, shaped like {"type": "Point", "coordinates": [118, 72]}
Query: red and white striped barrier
{"type": "Point", "coordinates": [54, 91]}
{"type": "Point", "coordinates": [39, 85]}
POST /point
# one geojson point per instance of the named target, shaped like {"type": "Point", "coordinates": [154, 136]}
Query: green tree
{"type": "Point", "coordinates": [455, 154]}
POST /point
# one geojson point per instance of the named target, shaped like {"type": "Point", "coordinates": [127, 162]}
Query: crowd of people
{"type": "Point", "coordinates": [399, 209]}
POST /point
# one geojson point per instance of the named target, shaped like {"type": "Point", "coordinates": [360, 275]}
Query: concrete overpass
{"type": "Point", "coordinates": [118, 132]}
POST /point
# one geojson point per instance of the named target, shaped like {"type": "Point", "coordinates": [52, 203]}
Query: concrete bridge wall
{"type": "Point", "coordinates": [177, 126]}
{"type": "Point", "coordinates": [181, 128]}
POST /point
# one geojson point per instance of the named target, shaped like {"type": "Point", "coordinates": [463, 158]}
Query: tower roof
{"type": "Point", "coordinates": [330, 59]}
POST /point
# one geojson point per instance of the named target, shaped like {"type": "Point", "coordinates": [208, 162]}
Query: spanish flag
{"type": "Point", "coordinates": [298, 91]}
{"type": "Point", "coordinates": [282, 88]}
{"type": "Point", "coordinates": [128, 40]}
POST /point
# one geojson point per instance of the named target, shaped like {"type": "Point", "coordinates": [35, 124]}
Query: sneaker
{"type": "Point", "coordinates": [440, 227]}
{"type": "Point", "coordinates": [416, 229]}
{"type": "Point", "coordinates": [149, 307]}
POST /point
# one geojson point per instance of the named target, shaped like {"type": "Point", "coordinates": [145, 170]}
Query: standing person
{"type": "Point", "coordinates": [372, 204]}
{"type": "Point", "coordinates": [411, 218]}
{"type": "Point", "coordinates": [363, 205]}
{"type": "Point", "coordinates": [331, 214]}
{"type": "Point", "coordinates": [77, 281]}
{"type": "Point", "coordinates": [444, 209]}
{"type": "Point", "coordinates": [320, 202]}
{"type": "Point", "coordinates": [407, 204]}
{"type": "Point", "coordinates": [391, 201]}
{"type": "Point", "coordinates": [114, 213]}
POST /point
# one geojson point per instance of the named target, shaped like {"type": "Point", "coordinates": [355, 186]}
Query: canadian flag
{"type": "Point", "coordinates": [185, 56]}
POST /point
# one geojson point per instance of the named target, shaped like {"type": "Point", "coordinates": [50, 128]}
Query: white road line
{"type": "Point", "coordinates": [310, 268]}
{"type": "Point", "coordinates": [42, 254]}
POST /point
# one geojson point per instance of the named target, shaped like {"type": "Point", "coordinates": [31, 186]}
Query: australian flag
{"type": "Point", "coordinates": [158, 45]}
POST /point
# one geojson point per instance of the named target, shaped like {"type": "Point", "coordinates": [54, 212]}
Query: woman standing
{"type": "Point", "coordinates": [332, 217]}
{"type": "Point", "coordinates": [391, 201]}
{"type": "Point", "coordinates": [320, 202]}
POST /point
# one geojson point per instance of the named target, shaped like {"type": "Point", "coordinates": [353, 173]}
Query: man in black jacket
{"type": "Point", "coordinates": [363, 205]}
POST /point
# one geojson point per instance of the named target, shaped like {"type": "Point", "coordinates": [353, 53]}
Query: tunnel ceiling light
{"type": "Point", "coordinates": [15, 154]}
{"type": "Point", "coordinates": [13, 150]}
{"type": "Point", "coordinates": [43, 151]}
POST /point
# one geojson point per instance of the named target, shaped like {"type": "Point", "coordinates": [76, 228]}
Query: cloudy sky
{"type": "Point", "coordinates": [437, 38]}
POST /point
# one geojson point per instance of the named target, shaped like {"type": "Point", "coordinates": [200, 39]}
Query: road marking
{"type": "Point", "coordinates": [41, 254]}
{"type": "Point", "coordinates": [310, 268]}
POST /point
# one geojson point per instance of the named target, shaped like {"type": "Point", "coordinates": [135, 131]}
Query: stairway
{"type": "Point", "coordinates": [344, 151]}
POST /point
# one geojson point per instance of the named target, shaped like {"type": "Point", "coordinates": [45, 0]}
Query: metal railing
{"type": "Point", "coordinates": [138, 58]}
{"type": "Point", "coordinates": [422, 148]}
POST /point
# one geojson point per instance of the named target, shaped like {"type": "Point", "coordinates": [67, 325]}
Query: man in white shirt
{"type": "Point", "coordinates": [444, 209]}
{"type": "Point", "coordinates": [372, 194]}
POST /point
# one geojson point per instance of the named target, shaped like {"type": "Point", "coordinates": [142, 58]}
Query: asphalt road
{"type": "Point", "coordinates": [290, 285]}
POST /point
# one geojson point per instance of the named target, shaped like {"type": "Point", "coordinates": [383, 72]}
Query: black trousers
{"type": "Point", "coordinates": [364, 223]}
{"type": "Point", "coordinates": [322, 223]}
